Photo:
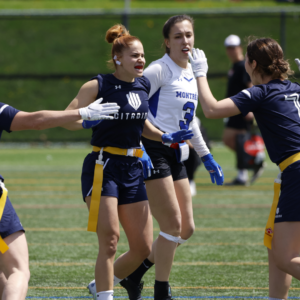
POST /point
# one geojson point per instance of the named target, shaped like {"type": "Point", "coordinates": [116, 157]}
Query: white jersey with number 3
{"type": "Point", "coordinates": [173, 99]}
{"type": "Point", "coordinates": [173, 96]}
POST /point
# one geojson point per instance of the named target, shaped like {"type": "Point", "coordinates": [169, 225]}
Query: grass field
{"type": "Point", "coordinates": [224, 258]}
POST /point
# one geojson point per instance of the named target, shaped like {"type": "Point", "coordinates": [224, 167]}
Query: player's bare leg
{"type": "Point", "coordinates": [286, 247]}
{"type": "Point", "coordinates": [284, 258]}
{"type": "Point", "coordinates": [139, 231]}
{"type": "Point", "coordinates": [15, 265]}
{"type": "Point", "coordinates": [165, 209]}
{"type": "Point", "coordinates": [137, 223]}
{"type": "Point", "coordinates": [279, 281]}
{"type": "Point", "coordinates": [108, 233]}
{"type": "Point", "coordinates": [2, 282]}
{"type": "Point", "coordinates": [184, 198]}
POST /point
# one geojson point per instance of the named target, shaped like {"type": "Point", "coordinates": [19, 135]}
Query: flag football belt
{"type": "Point", "coordinates": [98, 180]}
{"type": "Point", "coordinates": [182, 150]}
{"type": "Point", "coordinates": [269, 231]}
{"type": "Point", "coordinates": [3, 245]}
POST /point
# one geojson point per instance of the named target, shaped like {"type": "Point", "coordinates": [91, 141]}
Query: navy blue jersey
{"type": "Point", "coordinates": [7, 113]}
{"type": "Point", "coordinates": [276, 108]}
{"type": "Point", "coordinates": [125, 130]}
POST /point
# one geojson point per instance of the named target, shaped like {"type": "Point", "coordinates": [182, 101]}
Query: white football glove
{"type": "Point", "coordinates": [97, 111]}
{"type": "Point", "coordinates": [297, 61]}
{"type": "Point", "coordinates": [198, 62]}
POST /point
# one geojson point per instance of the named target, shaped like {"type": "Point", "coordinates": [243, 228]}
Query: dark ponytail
{"type": "Point", "coordinates": [269, 58]}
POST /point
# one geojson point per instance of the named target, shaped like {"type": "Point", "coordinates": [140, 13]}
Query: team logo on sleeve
{"type": "Point", "coordinates": [134, 100]}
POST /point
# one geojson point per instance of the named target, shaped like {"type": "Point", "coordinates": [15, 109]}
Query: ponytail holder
{"type": "Point", "coordinates": [116, 60]}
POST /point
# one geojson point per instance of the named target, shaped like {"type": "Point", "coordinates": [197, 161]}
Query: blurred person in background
{"type": "Point", "coordinates": [238, 79]}
{"type": "Point", "coordinates": [14, 259]}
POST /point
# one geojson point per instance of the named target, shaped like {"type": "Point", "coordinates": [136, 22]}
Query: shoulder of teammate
{"type": "Point", "coordinates": [87, 94]}
{"type": "Point", "coordinates": [7, 114]}
{"type": "Point", "coordinates": [248, 100]}
{"type": "Point", "coordinates": [145, 82]}
{"type": "Point", "coordinates": [158, 74]}
{"type": "Point", "coordinates": [100, 78]}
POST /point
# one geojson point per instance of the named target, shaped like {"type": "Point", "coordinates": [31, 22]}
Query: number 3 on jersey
{"type": "Point", "coordinates": [189, 107]}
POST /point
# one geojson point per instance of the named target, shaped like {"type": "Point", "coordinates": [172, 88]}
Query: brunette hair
{"type": "Point", "coordinates": [120, 37]}
{"type": "Point", "coordinates": [172, 21]}
{"type": "Point", "coordinates": [269, 58]}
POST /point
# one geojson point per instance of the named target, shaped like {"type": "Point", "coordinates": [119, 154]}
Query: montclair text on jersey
{"type": "Point", "coordinates": [187, 95]}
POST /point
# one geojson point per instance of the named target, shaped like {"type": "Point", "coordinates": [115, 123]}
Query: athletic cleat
{"type": "Point", "coordinates": [258, 170]}
{"type": "Point", "coordinates": [236, 181]}
{"type": "Point", "coordinates": [134, 290]}
{"type": "Point", "coordinates": [166, 297]}
{"type": "Point", "coordinates": [92, 288]}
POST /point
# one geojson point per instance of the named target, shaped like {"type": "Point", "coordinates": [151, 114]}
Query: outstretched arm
{"type": "Point", "coordinates": [212, 108]}
{"type": "Point", "coordinates": [48, 119]}
{"type": "Point", "coordinates": [43, 119]}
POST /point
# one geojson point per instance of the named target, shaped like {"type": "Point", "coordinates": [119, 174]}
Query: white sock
{"type": "Point", "coordinates": [275, 298]}
{"type": "Point", "coordinates": [116, 280]}
{"type": "Point", "coordinates": [242, 174]}
{"type": "Point", "coordinates": [105, 295]}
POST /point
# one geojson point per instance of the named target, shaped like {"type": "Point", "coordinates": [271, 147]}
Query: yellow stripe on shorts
{"type": "Point", "coordinates": [3, 245]}
{"type": "Point", "coordinates": [269, 231]}
{"type": "Point", "coordinates": [96, 197]}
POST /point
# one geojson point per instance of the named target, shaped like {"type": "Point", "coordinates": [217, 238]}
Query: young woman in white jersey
{"type": "Point", "coordinates": [173, 102]}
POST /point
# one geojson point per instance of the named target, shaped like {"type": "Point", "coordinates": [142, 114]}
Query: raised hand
{"type": "Point", "coordinates": [198, 62]}
{"type": "Point", "coordinates": [97, 111]}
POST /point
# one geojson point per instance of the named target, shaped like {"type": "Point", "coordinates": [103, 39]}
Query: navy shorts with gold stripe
{"type": "Point", "coordinates": [288, 208]}
{"type": "Point", "coordinates": [10, 222]}
{"type": "Point", "coordinates": [122, 177]}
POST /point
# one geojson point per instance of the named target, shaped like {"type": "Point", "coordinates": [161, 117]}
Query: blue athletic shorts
{"type": "Point", "coordinates": [10, 222]}
{"type": "Point", "coordinates": [122, 177]}
{"type": "Point", "coordinates": [288, 208]}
